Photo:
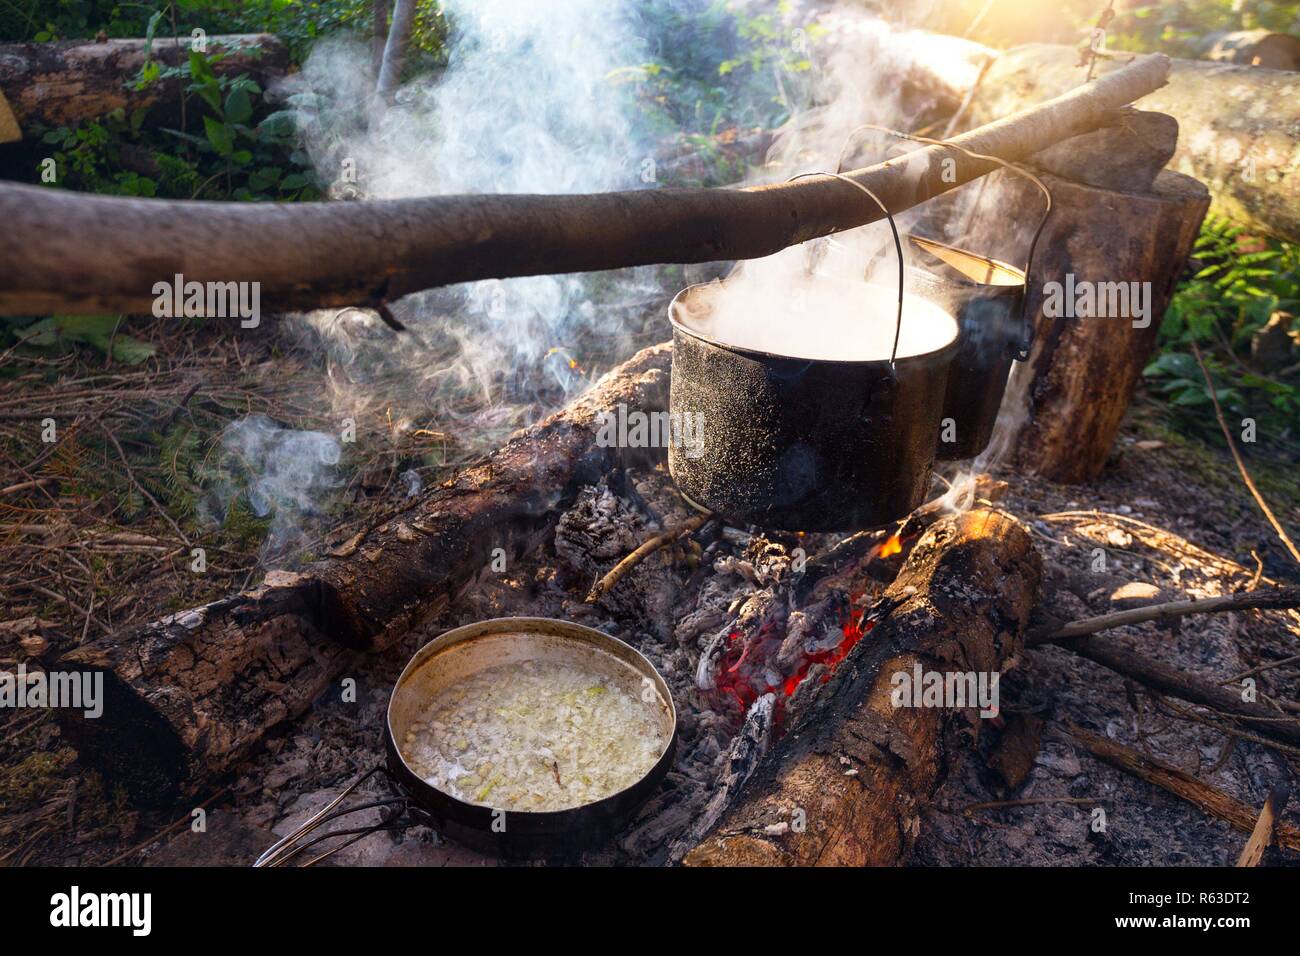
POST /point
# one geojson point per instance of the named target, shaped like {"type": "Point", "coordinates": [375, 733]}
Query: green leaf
{"type": "Point", "coordinates": [200, 69]}
{"type": "Point", "coordinates": [130, 351]}
{"type": "Point", "coordinates": [149, 31]}
{"type": "Point", "coordinates": [239, 107]}
{"type": "Point", "coordinates": [218, 135]}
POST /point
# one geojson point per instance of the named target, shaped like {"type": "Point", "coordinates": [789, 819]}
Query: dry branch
{"type": "Point", "coordinates": [1160, 677]}
{"type": "Point", "coordinates": [1241, 465]}
{"type": "Point", "coordinates": [1181, 784]}
{"type": "Point", "coordinates": [1261, 838]}
{"type": "Point", "coordinates": [647, 548]}
{"type": "Point", "coordinates": [73, 258]}
{"type": "Point", "coordinates": [1268, 598]}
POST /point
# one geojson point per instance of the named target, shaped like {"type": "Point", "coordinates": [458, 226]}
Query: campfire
{"type": "Point", "coordinates": [746, 597]}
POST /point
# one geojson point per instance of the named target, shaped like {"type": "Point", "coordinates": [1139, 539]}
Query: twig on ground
{"type": "Point", "coordinates": [1032, 802]}
{"type": "Point", "coordinates": [1181, 784]}
{"type": "Point", "coordinates": [605, 584]}
{"type": "Point", "coordinates": [1272, 599]}
{"type": "Point", "coordinates": [1241, 465]}
{"type": "Point", "coordinates": [1262, 836]}
{"type": "Point", "coordinates": [140, 488]}
{"type": "Point", "coordinates": [1167, 680]}
{"type": "Point", "coordinates": [167, 830]}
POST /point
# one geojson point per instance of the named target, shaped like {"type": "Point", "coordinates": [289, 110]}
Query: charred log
{"type": "Point", "coordinates": [853, 770]}
{"type": "Point", "coordinates": [206, 685]}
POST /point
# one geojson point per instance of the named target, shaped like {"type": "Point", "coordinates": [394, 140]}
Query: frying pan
{"type": "Point", "coordinates": [449, 659]}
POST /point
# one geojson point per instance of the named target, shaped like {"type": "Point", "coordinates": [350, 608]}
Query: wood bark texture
{"type": "Point", "coordinates": [853, 769]}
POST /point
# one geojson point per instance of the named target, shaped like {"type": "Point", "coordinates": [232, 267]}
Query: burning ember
{"type": "Point", "coordinates": [893, 545]}
{"type": "Point", "coordinates": [747, 670]}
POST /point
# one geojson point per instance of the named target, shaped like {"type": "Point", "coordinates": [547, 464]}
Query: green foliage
{"type": "Point", "coordinates": [1240, 283]}
{"type": "Point", "coordinates": [238, 156]}
{"type": "Point", "coordinates": [58, 332]}
{"type": "Point", "coordinates": [1181, 27]}
{"type": "Point", "coordinates": [715, 66]}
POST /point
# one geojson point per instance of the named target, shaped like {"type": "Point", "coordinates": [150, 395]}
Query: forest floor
{"type": "Point", "coordinates": [97, 532]}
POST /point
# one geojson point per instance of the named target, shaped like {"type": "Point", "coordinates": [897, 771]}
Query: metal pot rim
{"type": "Point", "coordinates": [542, 819]}
{"type": "Point", "coordinates": [939, 353]}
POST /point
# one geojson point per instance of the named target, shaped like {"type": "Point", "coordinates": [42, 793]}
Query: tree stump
{"type": "Point", "coordinates": [1104, 256]}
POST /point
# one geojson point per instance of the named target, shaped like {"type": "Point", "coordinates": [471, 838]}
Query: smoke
{"type": "Point", "coordinates": [857, 82]}
{"type": "Point", "coordinates": [532, 100]}
{"type": "Point", "coordinates": [280, 474]}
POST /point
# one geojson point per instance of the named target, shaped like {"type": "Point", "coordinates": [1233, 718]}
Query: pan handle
{"type": "Point", "coordinates": [1019, 350]}
{"type": "Point", "coordinates": [898, 248]}
{"type": "Point", "coordinates": [289, 847]}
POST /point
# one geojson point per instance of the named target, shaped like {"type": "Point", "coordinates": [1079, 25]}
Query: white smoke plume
{"type": "Point", "coordinates": [531, 101]}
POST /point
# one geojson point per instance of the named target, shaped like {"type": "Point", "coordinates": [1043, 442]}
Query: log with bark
{"type": "Point", "coordinates": [189, 696]}
{"type": "Point", "coordinates": [316, 254]}
{"type": "Point", "coordinates": [847, 785]}
{"type": "Point", "coordinates": [1103, 273]}
{"type": "Point", "coordinates": [1238, 124]}
{"type": "Point", "coordinates": [1082, 371]}
{"type": "Point", "coordinates": [62, 83]}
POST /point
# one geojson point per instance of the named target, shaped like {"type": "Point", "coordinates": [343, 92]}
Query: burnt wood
{"type": "Point", "coordinates": [191, 695]}
{"type": "Point", "coordinates": [859, 769]}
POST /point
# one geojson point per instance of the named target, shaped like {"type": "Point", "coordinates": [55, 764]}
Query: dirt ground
{"type": "Point", "coordinates": [1169, 512]}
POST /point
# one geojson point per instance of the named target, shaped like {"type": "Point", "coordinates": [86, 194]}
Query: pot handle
{"type": "Point", "coordinates": [289, 847]}
{"type": "Point", "coordinates": [898, 248]}
{"type": "Point", "coordinates": [1019, 350]}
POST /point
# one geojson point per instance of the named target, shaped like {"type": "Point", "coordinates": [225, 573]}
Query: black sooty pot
{"type": "Point", "coordinates": [987, 297]}
{"type": "Point", "coordinates": [804, 444]}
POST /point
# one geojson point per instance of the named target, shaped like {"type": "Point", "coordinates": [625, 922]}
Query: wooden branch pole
{"type": "Point", "coordinates": [94, 254]}
{"type": "Point", "coordinates": [854, 770]}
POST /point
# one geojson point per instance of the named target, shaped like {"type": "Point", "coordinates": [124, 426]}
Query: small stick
{"type": "Point", "coordinates": [603, 586]}
{"type": "Point", "coordinates": [167, 830]}
{"type": "Point", "coordinates": [28, 485]}
{"type": "Point", "coordinates": [1270, 598]}
{"type": "Point", "coordinates": [1241, 465]}
{"type": "Point", "coordinates": [1181, 784]}
{"type": "Point", "coordinates": [140, 488]}
{"type": "Point", "coordinates": [1164, 679]}
{"type": "Point", "coordinates": [1262, 836]}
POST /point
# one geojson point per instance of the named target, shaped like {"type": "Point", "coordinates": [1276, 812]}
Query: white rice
{"type": "Point", "coordinates": [535, 736]}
